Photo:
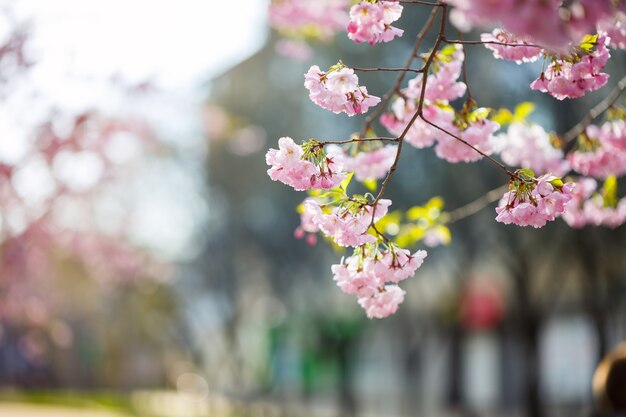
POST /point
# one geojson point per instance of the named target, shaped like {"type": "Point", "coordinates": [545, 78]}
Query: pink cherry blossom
{"type": "Point", "coordinates": [383, 302]}
{"type": "Point", "coordinates": [373, 164]}
{"type": "Point", "coordinates": [519, 54]}
{"type": "Point", "coordinates": [614, 28]}
{"type": "Point", "coordinates": [478, 134]}
{"type": "Point", "coordinates": [442, 85]}
{"type": "Point", "coordinates": [534, 202]}
{"type": "Point", "coordinates": [324, 18]}
{"type": "Point", "coordinates": [344, 226]}
{"type": "Point", "coordinates": [368, 272]}
{"type": "Point", "coordinates": [602, 152]}
{"type": "Point", "coordinates": [289, 167]}
{"type": "Point", "coordinates": [338, 90]}
{"type": "Point", "coordinates": [529, 146]}
{"type": "Point", "coordinates": [564, 79]}
{"type": "Point", "coordinates": [371, 22]}
{"type": "Point", "coordinates": [589, 208]}
{"type": "Point", "coordinates": [552, 24]}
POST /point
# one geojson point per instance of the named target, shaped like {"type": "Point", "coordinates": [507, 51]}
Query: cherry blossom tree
{"type": "Point", "coordinates": [546, 175]}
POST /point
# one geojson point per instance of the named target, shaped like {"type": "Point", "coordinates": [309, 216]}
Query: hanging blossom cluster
{"type": "Point", "coordinates": [372, 274]}
{"type": "Point", "coordinates": [598, 208]}
{"type": "Point", "coordinates": [371, 21]}
{"type": "Point", "coordinates": [575, 75]}
{"type": "Point", "coordinates": [435, 108]}
{"type": "Point", "coordinates": [601, 150]}
{"type": "Point", "coordinates": [533, 202]}
{"type": "Point", "coordinates": [338, 90]}
{"type": "Point", "coordinates": [303, 168]}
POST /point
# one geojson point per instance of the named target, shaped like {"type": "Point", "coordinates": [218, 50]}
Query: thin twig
{"type": "Point", "coordinates": [343, 142]}
{"type": "Point", "coordinates": [423, 3]}
{"type": "Point", "coordinates": [418, 71]}
{"type": "Point", "coordinates": [596, 111]}
{"type": "Point", "coordinates": [490, 158]}
{"type": "Point", "coordinates": [418, 112]}
{"type": "Point", "coordinates": [462, 42]}
{"type": "Point", "coordinates": [476, 205]}
{"type": "Point", "coordinates": [385, 99]}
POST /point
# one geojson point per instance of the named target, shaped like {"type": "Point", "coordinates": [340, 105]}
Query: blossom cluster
{"type": "Point", "coordinates": [442, 87]}
{"type": "Point", "coordinates": [303, 171]}
{"type": "Point", "coordinates": [590, 207]}
{"type": "Point", "coordinates": [573, 76]}
{"type": "Point", "coordinates": [371, 21]}
{"type": "Point", "coordinates": [559, 25]}
{"type": "Point", "coordinates": [534, 202]}
{"type": "Point", "coordinates": [530, 146]}
{"type": "Point", "coordinates": [346, 225]}
{"type": "Point", "coordinates": [338, 90]}
{"type": "Point", "coordinates": [371, 164]}
{"type": "Point", "coordinates": [318, 19]}
{"type": "Point", "coordinates": [372, 275]}
{"type": "Point", "coordinates": [601, 150]}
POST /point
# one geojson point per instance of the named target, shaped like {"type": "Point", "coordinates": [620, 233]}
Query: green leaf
{"type": "Point", "coordinates": [479, 114]}
{"type": "Point", "coordinates": [371, 185]}
{"type": "Point", "coordinates": [503, 117]}
{"type": "Point", "coordinates": [416, 213]}
{"type": "Point", "coordinates": [588, 43]}
{"type": "Point", "coordinates": [523, 110]}
{"type": "Point", "coordinates": [344, 184]}
{"type": "Point", "coordinates": [557, 183]}
{"type": "Point", "coordinates": [526, 172]}
{"type": "Point", "coordinates": [609, 191]}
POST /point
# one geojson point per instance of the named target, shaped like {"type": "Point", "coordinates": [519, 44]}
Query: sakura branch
{"type": "Point", "coordinates": [434, 108]}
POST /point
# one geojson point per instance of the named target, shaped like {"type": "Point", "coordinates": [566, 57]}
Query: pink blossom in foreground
{"type": "Point", "coordinates": [338, 91]}
{"type": "Point", "coordinates": [587, 208]}
{"type": "Point", "coordinates": [288, 167]}
{"type": "Point", "coordinates": [371, 165]}
{"type": "Point", "coordinates": [564, 79]}
{"type": "Point", "coordinates": [553, 24]}
{"type": "Point", "coordinates": [371, 22]}
{"type": "Point", "coordinates": [519, 54]}
{"type": "Point", "coordinates": [534, 203]}
{"type": "Point", "coordinates": [368, 272]}
{"type": "Point", "coordinates": [529, 146]}
{"type": "Point", "coordinates": [344, 226]}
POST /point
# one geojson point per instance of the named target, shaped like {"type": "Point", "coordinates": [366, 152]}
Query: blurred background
{"type": "Point", "coordinates": [148, 265]}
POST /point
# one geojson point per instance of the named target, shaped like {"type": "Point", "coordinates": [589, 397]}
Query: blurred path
{"type": "Point", "coordinates": [34, 410]}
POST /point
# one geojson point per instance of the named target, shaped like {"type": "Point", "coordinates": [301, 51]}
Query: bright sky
{"type": "Point", "coordinates": [174, 41]}
{"type": "Point", "coordinates": [79, 46]}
